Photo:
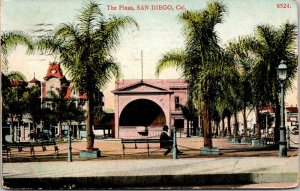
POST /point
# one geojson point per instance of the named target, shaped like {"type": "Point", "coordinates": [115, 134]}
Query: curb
{"type": "Point", "coordinates": [147, 180]}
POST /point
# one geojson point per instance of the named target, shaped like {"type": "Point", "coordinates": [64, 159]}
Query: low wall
{"type": "Point", "coordinates": [132, 132]}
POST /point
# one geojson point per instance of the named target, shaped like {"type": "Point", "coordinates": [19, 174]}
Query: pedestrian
{"type": "Point", "coordinates": [166, 141]}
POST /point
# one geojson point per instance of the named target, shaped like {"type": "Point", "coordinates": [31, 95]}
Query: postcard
{"type": "Point", "coordinates": [150, 94]}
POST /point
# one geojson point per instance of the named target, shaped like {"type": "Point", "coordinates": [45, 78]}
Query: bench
{"type": "Point", "coordinates": [144, 141]}
{"type": "Point", "coordinates": [43, 144]}
{"type": "Point", "coordinates": [7, 149]}
{"type": "Point", "coordinates": [20, 145]}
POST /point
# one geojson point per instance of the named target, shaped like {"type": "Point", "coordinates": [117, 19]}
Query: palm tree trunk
{"type": "Point", "coordinates": [200, 121]}
{"type": "Point", "coordinates": [229, 125]}
{"type": "Point", "coordinates": [188, 128]}
{"type": "Point", "coordinates": [194, 127]}
{"type": "Point", "coordinates": [59, 131]}
{"type": "Point", "coordinates": [217, 129]}
{"type": "Point", "coordinates": [257, 129]}
{"type": "Point", "coordinates": [12, 130]}
{"type": "Point", "coordinates": [89, 128]}
{"type": "Point", "coordinates": [245, 122]}
{"type": "Point", "coordinates": [235, 128]}
{"type": "Point", "coordinates": [223, 126]}
{"type": "Point", "coordinates": [207, 128]}
{"type": "Point", "coordinates": [33, 129]}
{"type": "Point", "coordinates": [18, 130]}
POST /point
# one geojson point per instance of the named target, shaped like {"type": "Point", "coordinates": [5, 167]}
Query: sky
{"type": "Point", "coordinates": [159, 31]}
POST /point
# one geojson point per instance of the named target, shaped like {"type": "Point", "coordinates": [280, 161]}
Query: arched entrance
{"type": "Point", "coordinates": [142, 107]}
{"type": "Point", "coordinates": [142, 112]}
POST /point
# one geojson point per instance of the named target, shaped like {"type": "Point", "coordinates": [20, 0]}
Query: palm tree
{"type": "Point", "coordinates": [270, 46]}
{"type": "Point", "coordinates": [58, 105]}
{"type": "Point", "coordinates": [63, 110]}
{"type": "Point", "coordinates": [202, 60]}
{"type": "Point", "coordinates": [188, 112]}
{"type": "Point", "coordinates": [9, 41]}
{"type": "Point", "coordinates": [243, 61]}
{"type": "Point", "coordinates": [224, 105]}
{"type": "Point", "coordinates": [13, 98]}
{"type": "Point", "coordinates": [73, 113]}
{"type": "Point", "coordinates": [84, 49]}
{"type": "Point", "coordinates": [33, 106]}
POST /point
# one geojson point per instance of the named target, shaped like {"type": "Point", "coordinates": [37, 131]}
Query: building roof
{"type": "Point", "coordinates": [267, 109]}
{"type": "Point", "coordinates": [35, 81]}
{"type": "Point", "coordinates": [141, 87]}
{"type": "Point", "coordinates": [162, 83]}
{"type": "Point", "coordinates": [292, 109]}
{"type": "Point", "coordinates": [54, 70]}
{"type": "Point", "coordinates": [16, 83]}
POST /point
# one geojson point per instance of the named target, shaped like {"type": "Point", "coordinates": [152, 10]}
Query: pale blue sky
{"type": "Point", "coordinates": [160, 31]}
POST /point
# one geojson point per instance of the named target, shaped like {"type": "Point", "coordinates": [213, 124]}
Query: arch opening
{"type": "Point", "coordinates": [142, 112]}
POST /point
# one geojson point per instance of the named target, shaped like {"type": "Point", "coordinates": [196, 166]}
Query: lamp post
{"type": "Point", "coordinates": [282, 70]}
{"type": "Point", "coordinates": [69, 145]}
{"type": "Point", "coordinates": [174, 144]}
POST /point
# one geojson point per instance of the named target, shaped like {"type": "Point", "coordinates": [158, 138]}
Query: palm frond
{"type": "Point", "coordinates": [48, 45]}
{"type": "Point", "coordinates": [10, 40]}
{"type": "Point", "coordinates": [174, 58]}
{"type": "Point", "coordinates": [88, 17]}
{"type": "Point", "coordinates": [287, 36]}
{"type": "Point", "coordinates": [109, 31]}
{"type": "Point", "coordinates": [106, 71]}
{"type": "Point", "coordinates": [216, 11]}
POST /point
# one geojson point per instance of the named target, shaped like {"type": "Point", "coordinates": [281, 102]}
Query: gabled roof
{"type": "Point", "coordinates": [141, 87]}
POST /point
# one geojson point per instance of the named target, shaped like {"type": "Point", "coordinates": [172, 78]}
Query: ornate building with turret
{"type": "Point", "coordinates": [54, 81]}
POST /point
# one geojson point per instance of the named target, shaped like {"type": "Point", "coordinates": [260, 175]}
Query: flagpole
{"type": "Point", "coordinates": [142, 65]}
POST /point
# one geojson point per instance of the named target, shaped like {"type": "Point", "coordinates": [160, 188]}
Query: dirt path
{"type": "Point", "coordinates": [111, 149]}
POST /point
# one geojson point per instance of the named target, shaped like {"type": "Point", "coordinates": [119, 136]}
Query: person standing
{"type": "Point", "coordinates": [166, 141]}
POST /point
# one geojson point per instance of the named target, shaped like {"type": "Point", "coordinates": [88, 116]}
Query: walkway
{"type": "Point", "coordinates": [156, 172]}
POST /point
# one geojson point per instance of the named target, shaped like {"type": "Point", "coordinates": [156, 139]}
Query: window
{"type": "Point", "coordinates": [179, 123]}
{"type": "Point", "coordinates": [176, 102]}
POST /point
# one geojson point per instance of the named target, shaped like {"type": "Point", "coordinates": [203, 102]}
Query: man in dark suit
{"type": "Point", "coordinates": [166, 141]}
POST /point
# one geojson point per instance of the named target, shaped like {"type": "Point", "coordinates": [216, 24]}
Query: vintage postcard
{"type": "Point", "coordinates": [149, 94]}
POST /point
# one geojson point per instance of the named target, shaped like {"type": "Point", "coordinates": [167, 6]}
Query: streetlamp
{"type": "Point", "coordinates": [174, 144]}
{"type": "Point", "coordinates": [70, 145]}
{"type": "Point", "coordinates": [282, 70]}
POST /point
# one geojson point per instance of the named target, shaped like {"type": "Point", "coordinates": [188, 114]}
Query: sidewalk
{"type": "Point", "coordinates": [155, 172]}
{"type": "Point", "coordinates": [137, 170]}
